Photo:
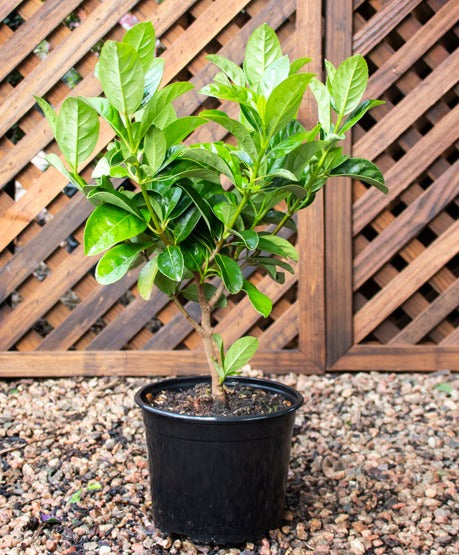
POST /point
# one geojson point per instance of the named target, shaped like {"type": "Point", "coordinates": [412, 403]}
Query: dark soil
{"type": "Point", "coordinates": [240, 400]}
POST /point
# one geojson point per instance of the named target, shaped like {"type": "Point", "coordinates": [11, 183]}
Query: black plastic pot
{"type": "Point", "coordinates": [218, 479]}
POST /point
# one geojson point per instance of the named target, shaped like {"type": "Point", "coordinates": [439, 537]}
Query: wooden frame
{"type": "Point", "coordinates": [344, 307]}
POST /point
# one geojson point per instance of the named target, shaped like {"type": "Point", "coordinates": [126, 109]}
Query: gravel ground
{"type": "Point", "coordinates": [373, 470]}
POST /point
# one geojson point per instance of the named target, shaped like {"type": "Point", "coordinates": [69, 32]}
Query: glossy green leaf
{"type": "Point", "coordinates": [233, 71]}
{"type": "Point", "coordinates": [239, 354]}
{"type": "Point", "coordinates": [57, 163]}
{"type": "Point", "coordinates": [121, 76]}
{"type": "Point", "coordinates": [177, 130]}
{"type": "Point", "coordinates": [260, 302]}
{"type": "Point", "coordinates": [115, 263]}
{"type": "Point", "coordinates": [358, 113]}
{"type": "Point", "coordinates": [269, 262]}
{"type": "Point", "coordinates": [147, 278]}
{"type": "Point", "coordinates": [285, 100]}
{"type": "Point", "coordinates": [77, 130]}
{"type": "Point", "coordinates": [297, 64]}
{"type": "Point", "coordinates": [235, 128]}
{"type": "Point", "coordinates": [184, 225]}
{"type": "Point", "coordinates": [230, 273]}
{"type": "Point", "coordinates": [349, 83]}
{"type": "Point", "coordinates": [153, 75]}
{"type": "Point", "coordinates": [171, 263]}
{"type": "Point", "coordinates": [153, 112]}
{"type": "Point", "coordinates": [323, 99]}
{"type": "Point", "coordinates": [194, 255]}
{"type": "Point", "coordinates": [218, 339]}
{"type": "Point", "coordinates": [155, 147]}
{"type": "Point", "coordinates": [277, 245]}
{"type": "Point", "coordinates": [49, 112]}
{"type": "Point", "coordinates": [210, 159]}
{"type": "Point", "coordinates": [299, 158]}
{"type": "Point", "coordinates": [331, 70]}
{"type": "Point", "coordinates": [142, 38]}
{"type": "Point", "coordinates": [363, 170]}
{"type": "Point", "coordinates": [225, 212]}
{"type": "Point", "coordinates": [109, 225]}
{"type": "Point", "coordinates": [249, 238]}
{"type": "Point", "coordinates": [200, 202]}
{"type": "Point", "coordinates": [233, 93]}
{"type": "Point", "coordinates": [276, 216]}
{"type": "Point", "coordinates": [103, 107]}
{"type": "Point", "coordinates": [117, 198]}
{"type": "Point", "coordinates": [263, 47]}
{"type": "Point", "coordinates": [166, 285]}
{"type": "Point", "coordinates": [274, 74]}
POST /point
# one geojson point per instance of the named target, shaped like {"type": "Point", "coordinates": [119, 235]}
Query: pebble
{"type": "Point", "coordinates": [373, 469]}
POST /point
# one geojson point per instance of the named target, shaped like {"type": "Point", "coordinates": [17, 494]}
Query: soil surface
{"type": "Point", "coordinates": [373, 469]}
{"type": "Point", "coordinates": [239, 401]}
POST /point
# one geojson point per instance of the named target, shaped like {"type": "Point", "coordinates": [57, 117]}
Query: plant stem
{"type": "Point", "coordinates": [188, 316]}
{"type": "Point", "coordinates": [206, 335]}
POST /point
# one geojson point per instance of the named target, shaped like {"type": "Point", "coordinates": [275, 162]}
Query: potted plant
{"type": "Point", "coordinates": [198, 218]}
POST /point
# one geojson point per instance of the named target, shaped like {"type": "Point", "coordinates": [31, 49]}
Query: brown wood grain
{"type": "Point", "coordinates": [338, 207]}
{"type": "Point", "coordinates": [32, 32]}
{"type": "Point", "coordinates": [406, 226]}
{"type": "Point", "coordinates": [381, 24]}
{"type": "Point", "coordinates": [394, 358]}
{"type": "Point", "coordinates": [402, 59]}
{"type": "Point", "coordinates": [439, 309]}
{"type": "Point", "coordinates": [283, 330]}
{"type": "Point", "coordinates": [408, 110]}
{"type": "Point", "coordinates": [59, 61]}
{"type": "Point", "coordinates": [311, 239]}
{"type": "Point", "coordinates": [407, 282]}
{"type": "Point", "coordinates": [7, 6]}
{"type": "Point", "coordinates": [135, 363]}
{"type": "Point", "coordinates": [415, 161]}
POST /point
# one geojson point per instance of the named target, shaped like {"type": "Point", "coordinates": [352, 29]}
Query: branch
{"type": "Point", "coordinates": [182, 309]}
{"type": "Point", "coordinates": [214, 299]}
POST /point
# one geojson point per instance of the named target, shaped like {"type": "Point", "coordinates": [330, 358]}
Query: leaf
{"type": "Point", "coordinates": [267, 262]}
{"type": "Point", "coordinates": [249, 238]}
{"type": "Point", "coordinates": [233, 71]}
{"type": "Point", "coordinates": [277, 245]}
{"type": "Point", "coordinates": [153, 76]}
{"type": "Point", "coordinates": [323, 100]}
{"type": "Point", "coordinates": [358, 113]}
{"type": "Point", "coordinates": [103, 107]}
{"type": "Point", "coordinates": [331, 70]}
{"type": "Point", "coordinates": [49, 112]}
{"type": "Point", "coordinates": [194, 255]}
{"type": "Point", "coordinates": [57, 163]}
{"type": "Point", "coordinates": [230, 273]}
{"type": "Point", "coordinates": [117, 198]}
{"type": "Point", "coordinates": [235, 128]}
{"type": "Point", "coordinates": [109, 225]}
{"type": "Point", "coordinates": [444, 387]}
{"type": "Point", "coordinates": [299, 158]}
{"type": "Point", "coordinates": [147, 277]}
{"type": "Point", "coordinates": [296, 65]}
{"type": "Point", "coordinates": [233, 93]}
{"type": "Point", "coordinates": [77, 130]}
{"type": "Point", "coordinates": [185, 224]}
{"type": "Point", "coordinates": [171, 263]}
{"type": "Point", "coordinates": [191, 293]}
{"type": "Point", "coordinates": [200, 202]}
{"type": "Point", "coordinates": [225, 213]}
{"type": "Point", "coordinates": [275, 217]}
{"type": "Point", "coordinates": [283, 173]}
{"type": "Point", "coordinates": [239, 354]}
{"type": "Point", "coordinates": [165, 284]}
{"type": "Point", "coordinates": [94, 486]}
{"type": "Point", "coordinates": [263, 47]}
{"type": "Point", "coordinates": [176, 131]}
{"type": "Point", "coordinates": [218, 339]}
{"type": "Point", "coordinates": [142, 38]}
{"type": "Point", "coordinates": [274, 74]}
{"type": "Point", "coordinates": [76, 497]}
{"type": "Point", "coordinates": [349, 84]}
{"type": "Point", "coordinates": [284, 101]}
{"type": "Point", "coordinates": [121, 76]}
{"type": "Point", "coordinates": [363, 170]}
{"type": "Point", "coordinates": [115, 263]}
{"type": "Point", "coordinates": [260, 302]}
{"type": "Point", "coordinates": [210, 159]}
{"type": "Point", "coordinates": [155, 147]}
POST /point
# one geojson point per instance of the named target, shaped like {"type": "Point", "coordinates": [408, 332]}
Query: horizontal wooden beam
{"type": "Point", "coordinates": [135, 363]}
{"type": "Point", "coordinates": [392, 358]}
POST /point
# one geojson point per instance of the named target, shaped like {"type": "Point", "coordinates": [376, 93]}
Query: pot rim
{"type": "Point", "coordinates": [268, 385]}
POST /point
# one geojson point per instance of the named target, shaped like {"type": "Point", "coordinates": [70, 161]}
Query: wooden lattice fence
{"type": "Point", "coordinates": [378, 284]}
